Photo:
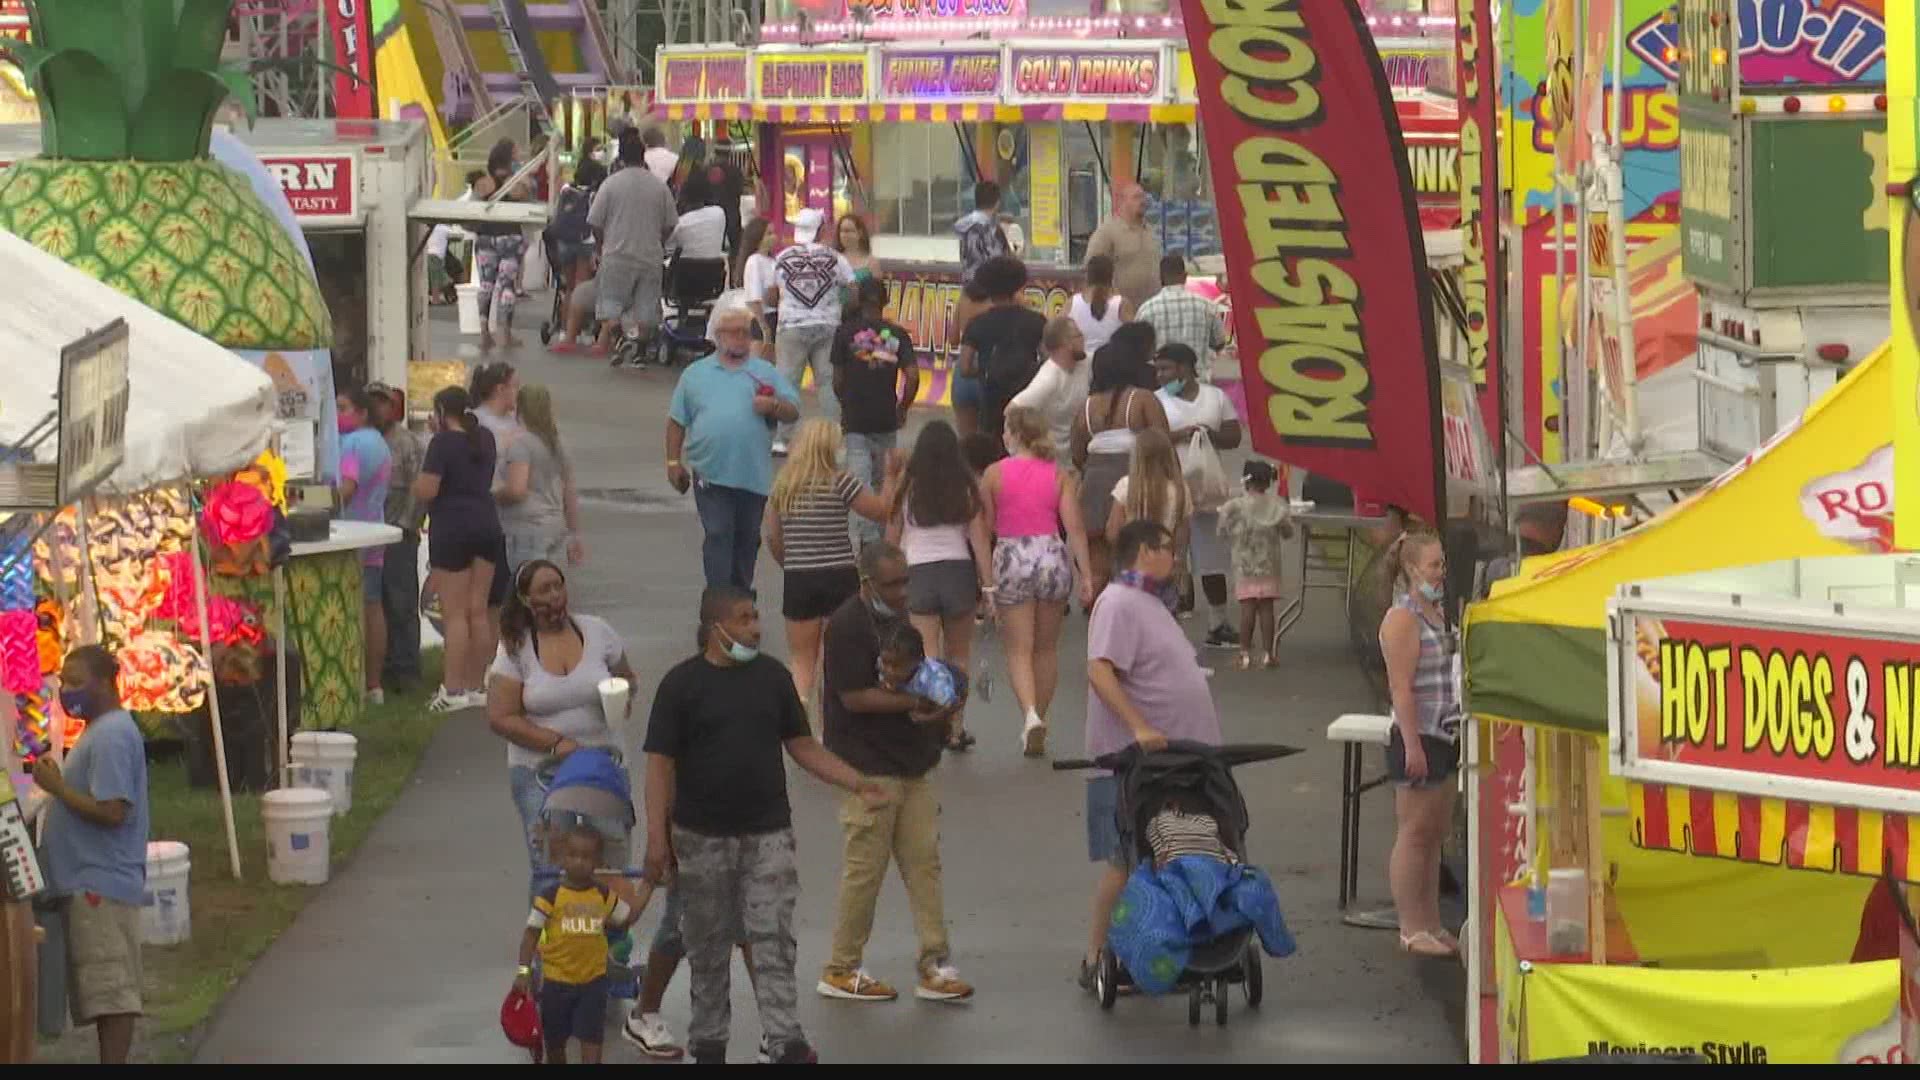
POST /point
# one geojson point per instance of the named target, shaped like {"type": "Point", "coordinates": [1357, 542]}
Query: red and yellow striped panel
{"type": "Point", "coordinates": [1776, 832]}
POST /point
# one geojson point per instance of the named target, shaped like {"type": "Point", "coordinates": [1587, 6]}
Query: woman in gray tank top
{"type": "Point", "coordinates": [1424, 754]}
{"type": "Point", "coordinates": [539, 507]}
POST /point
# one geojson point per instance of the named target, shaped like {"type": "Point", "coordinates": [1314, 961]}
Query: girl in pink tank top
{"type": "Point", "coordinates": [1030, 501]}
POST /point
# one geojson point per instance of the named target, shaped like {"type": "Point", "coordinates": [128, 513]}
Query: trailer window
{"type": "Point", "coordinates": [920, 180]}
{"type": "Point", "coordinates": [1173, 170]}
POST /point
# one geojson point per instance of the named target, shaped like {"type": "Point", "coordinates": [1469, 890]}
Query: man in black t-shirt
{"type": "Point", "coordinates": [718, 820]}
{"type": "Point", "coordinates": [896, 739]}
{"type": "Point", "coordinates": [1001, 345]}
{"type": "Point", "coordinates": [876, 377]}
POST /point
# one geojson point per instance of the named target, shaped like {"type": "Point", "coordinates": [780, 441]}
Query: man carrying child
{"type": "Point", "coordinates": [879, 726]}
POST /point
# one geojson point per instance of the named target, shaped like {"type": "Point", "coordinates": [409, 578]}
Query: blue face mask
{"type": "Point", "coordinates": [1433, 593]}
{"type": "Point", "coordinates": [77, 703]}
{"type": "Point", "coordinates": [736, 652]}
{"type": "Point", "coordinates": [1176, 387]}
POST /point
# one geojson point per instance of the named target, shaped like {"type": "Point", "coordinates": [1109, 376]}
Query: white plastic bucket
{"type": "Point", "coordinates": [165, 918]}
{"type": "Point", "coordinates": [297, 821]}
{"type": "Point", "coordinates": [324, 760]}
{"type": "Point", "coordinates": [466, 300]}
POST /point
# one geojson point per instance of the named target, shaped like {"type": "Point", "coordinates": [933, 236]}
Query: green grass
{"type": "Point", "coordinates": [235, 921]}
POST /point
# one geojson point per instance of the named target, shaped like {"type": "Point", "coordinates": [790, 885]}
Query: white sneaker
{"type": "Point", "coordinates": [652, 1035]}
{"type": "Point", "coordinates": [445, 700]}
{"type": "Point", "coordinates": [376, 696]}
{"type": "Point", "coordinates": [765, 1056]}
{"type": "Point", "coordinates": [779, 448]}
{"type": "Point", "coordinates": [475, 699]}
{"type": "Point", "coordinates": [1033, 737]}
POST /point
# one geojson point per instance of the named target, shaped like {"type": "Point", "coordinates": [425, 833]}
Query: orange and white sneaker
{"type": "Point", "coordinates": [943, 983]}
{"type": "Point", "coordinates": [854, 986]}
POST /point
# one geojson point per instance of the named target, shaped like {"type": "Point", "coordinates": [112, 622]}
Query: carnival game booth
{"type": "Point", "coordinates": [1582, 940]}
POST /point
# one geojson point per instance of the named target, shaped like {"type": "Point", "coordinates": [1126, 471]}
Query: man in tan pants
{"type": "Point", "coordinates": [893, 741]}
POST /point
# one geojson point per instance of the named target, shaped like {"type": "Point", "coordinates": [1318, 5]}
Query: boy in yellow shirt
{"type": "Point", "coordinates": [568, 926]}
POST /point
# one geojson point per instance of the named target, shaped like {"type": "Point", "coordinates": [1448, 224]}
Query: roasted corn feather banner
{"type": "Point", "coordinates": [1480, 277]}
{"type": "Point", "coordinates": [1324, 254]}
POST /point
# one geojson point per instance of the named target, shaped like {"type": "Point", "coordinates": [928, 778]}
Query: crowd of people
{"type": "Point", "coordinates": [1082, 466]}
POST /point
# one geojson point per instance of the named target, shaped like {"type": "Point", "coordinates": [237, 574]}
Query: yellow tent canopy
{"type": "Point", "coordinates": [1534, 650]}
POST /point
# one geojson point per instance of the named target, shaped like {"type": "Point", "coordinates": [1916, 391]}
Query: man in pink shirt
{"type": "Point", "coordinates": [1147, 687]}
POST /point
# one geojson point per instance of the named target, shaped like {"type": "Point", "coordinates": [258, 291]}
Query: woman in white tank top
{"type": "Point", "coordinates": [1099, 311]}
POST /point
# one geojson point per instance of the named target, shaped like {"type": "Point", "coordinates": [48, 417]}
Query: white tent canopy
{"type": "Point", "coordinates": [195, 409]}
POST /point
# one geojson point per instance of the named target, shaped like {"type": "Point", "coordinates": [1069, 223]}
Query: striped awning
{"type": "Point", "coordinates": [931, 113]}
{"type": "Point", "coordinates": [734, 110]}
{"type": "Point", "coordinates": [1775, 832]}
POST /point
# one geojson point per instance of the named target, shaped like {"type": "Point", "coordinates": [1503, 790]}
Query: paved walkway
{"type": "Point", "coordinates": [406, 954]}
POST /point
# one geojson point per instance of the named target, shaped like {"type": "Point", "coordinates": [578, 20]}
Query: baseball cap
{"type": "Point", "coordinates": [382, 390]}
{"type": "Point", "coordinates": [806, 226]}
{"type": "Point", "coordinates": [520, 1023]}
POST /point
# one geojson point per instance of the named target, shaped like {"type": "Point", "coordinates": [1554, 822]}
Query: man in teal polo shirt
{"type": "Point", "coordinates": [720, 442]}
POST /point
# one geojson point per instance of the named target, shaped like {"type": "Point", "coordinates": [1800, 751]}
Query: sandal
{"type": "Point", "coordinates": [961, 741]}
{"type": "Point", "coordinates": [1244, 662]}
{"type": "Point", "coordinates": [1426, 944]}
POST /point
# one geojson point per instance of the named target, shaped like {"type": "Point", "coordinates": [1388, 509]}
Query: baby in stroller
{"type": "Point", "coordinates": [1192, 907]}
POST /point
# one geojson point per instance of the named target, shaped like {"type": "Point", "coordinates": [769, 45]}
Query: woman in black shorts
{"type": "Point", "coordinates": [940, 522]}
{"type": "Point", "coordinates": [463, 542]}
{"type": "Point", "coordinates": [806, 529]}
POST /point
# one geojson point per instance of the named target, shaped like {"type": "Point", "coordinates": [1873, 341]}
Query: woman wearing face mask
{"type": "Point", "coordinates": [1031, 501]}
{"type": "Point", "coordinates": [1424, 752]}
{"type": "Point", "coordinates": [543, 693]}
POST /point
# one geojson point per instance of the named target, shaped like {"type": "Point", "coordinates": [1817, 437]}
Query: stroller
{"type": "Point", "coordinates": [590, 787]}
{"type": "Point", "coordinates": [567, 239]}
{"type": "Point", "coordinates": [1192, 773]}
{"type": "Point", "coordinates": [691, 287]}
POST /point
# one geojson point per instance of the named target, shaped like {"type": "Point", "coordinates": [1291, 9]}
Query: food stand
{"type": "Point", "coordinates": [1753, 643]}
{"type": "Point", "coordinates": [896, 123]}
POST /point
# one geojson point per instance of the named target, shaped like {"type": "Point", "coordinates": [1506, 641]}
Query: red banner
{"type": "Point", "coordinates": [350, 28]}
{"type": "Point", "coordinates": [1828, 706]}
{"type": "Point", "coordinates": [1480, 278]}
{"type": "Point", "coordinates": [1324, 254]}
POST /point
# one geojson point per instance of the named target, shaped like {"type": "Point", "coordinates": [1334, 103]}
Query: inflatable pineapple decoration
{"type": "Point", "coordinates": [124, 190]}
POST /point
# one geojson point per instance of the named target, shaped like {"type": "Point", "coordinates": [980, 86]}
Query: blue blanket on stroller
{"type": "Point", "coordinates": [1163, 914]}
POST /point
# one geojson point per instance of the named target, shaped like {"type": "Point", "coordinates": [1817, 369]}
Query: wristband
{"type": "Point", "coordinates": [674, 462]}
{"type": "Point", "coordinates": [525, 971]}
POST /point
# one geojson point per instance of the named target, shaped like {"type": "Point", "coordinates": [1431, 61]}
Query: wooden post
{"type": "Point", "coordinates": [213, 702]}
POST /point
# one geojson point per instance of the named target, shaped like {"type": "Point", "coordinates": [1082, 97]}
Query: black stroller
{"type": "Point", "coordinates": [1202, 775]}
{"type": "Point", "coordinates": [567, 239]}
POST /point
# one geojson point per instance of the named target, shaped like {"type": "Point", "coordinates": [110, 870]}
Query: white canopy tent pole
{"type": "Point", "coordinates": [280, 667]}
{"type": "Point", "coordinates": [213, 702]}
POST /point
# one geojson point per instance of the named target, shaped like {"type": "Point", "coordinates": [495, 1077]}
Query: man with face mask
{"type": "Point", "coordinates": [895, 738]}
{"type": "Point", "coordinates": [366, 470]}
{"type": "Point", "coordinates": [95, 848]}
{"type": "Point", "coordinates": [1059, 389]}
{"type": "Point", "coordinates": [1146, 686]}
{"type": "Point", "coordinates": [719, 824]}
{"type": "Point", "coordinates": [720, 442]}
